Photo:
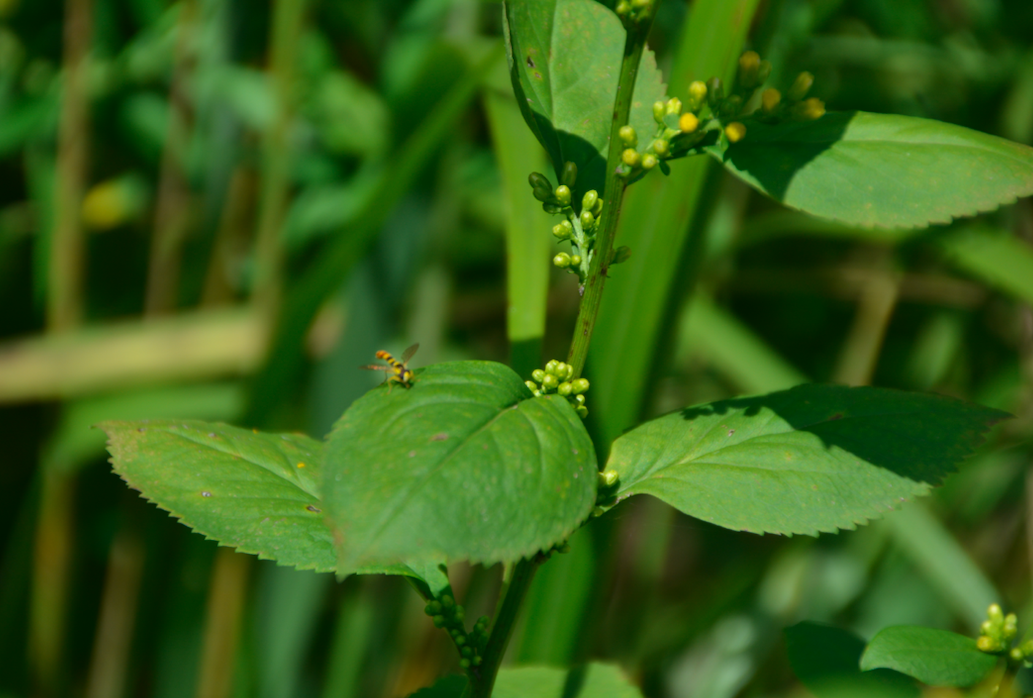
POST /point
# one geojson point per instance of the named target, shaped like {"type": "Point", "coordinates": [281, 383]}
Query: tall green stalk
{"type": "Point", "coordinates": [483, 680]}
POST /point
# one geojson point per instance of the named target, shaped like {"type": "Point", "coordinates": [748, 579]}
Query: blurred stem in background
{"type": "Point", "coordinates": [54, 533]}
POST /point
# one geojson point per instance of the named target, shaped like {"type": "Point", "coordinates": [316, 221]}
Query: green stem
{"type": "Point", "coordinates": [613, 192]}
{"type": "Point", "coordinates": [483, 678]}
{"type": "Point", "coordinates": [482, 682]}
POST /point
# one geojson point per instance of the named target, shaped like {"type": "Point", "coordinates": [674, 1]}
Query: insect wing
{"type": "Point", "coordinates": [376, 367]}
{"type": "Point", "coordinates": [408, 353]}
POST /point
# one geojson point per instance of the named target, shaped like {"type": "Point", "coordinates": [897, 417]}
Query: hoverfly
{"type": "Point", "coordinates": [400, 373]}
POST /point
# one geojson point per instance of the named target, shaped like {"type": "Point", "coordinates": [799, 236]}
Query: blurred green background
{"type": "Point", "coordinates": [186, 185]}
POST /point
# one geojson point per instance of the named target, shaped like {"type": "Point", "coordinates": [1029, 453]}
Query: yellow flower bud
{"type": "Point", "coordinates": [649, 161]}
{"type": "Point", "coordinates": [749, 66]}
{"type": "Point", "coordinates": [688, 122]}
{"type": "Point", "coordinates": [661, 146]}
{"type": "Point", "coordinates": [985, 644]}
{"type": "Point", "coordinates": [808, 110]}
{"type": "Point", "coordinates": [770, 99]}
{"type": "Point", "coordinates": [628, 136]}
{"type": "Point", "coordinates": [673, 106]}
{"type": "Point", "coordinates": [801, 86]}
{"type": "Point", "coordinates": [658, 112]}
{"type": "Point", "coordinates": [697, 93]}
{"type": "Point", "coordinates": [608, 478]}
{"type": "Point", "coordinates": [735, 132]}
{"type": "Point", "coordinates": [630, 157]}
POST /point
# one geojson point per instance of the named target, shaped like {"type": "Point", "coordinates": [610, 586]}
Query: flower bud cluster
{"type": "Point", "coordinates": [445, 613]}
{"type": "Point", "coordinates": [578, 226]}
{"type": "Point", "coordinates": [997, 632]}
{"type": "Point", "coordinates": [633, 12]}
{"type": "Point", "coordinates": [558, 377]}
{"type": "Point", "coordinates": [606, 492]}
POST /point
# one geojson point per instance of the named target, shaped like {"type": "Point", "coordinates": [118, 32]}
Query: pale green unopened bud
{"type": "Point", "coordinates": [658, 112]}
{"type": "Point", "coordinates": [770, 99]}
{"type": "Point", "coordinates": [630, 157]}
{"type": "Point", "coordinates": [561, 260]}
{"type": "Point", "coordinates": [564, 388]}
{"type": "Point", "coordinates": [697, 93]}
{"type": "Point", "coordinates": [801, 86]}
{"type": "Point", "coordinates": [648, 161]}
{"type": "Point", "coordinates": [749, 67]}
{"type": "Point", "coordinates": [531, 385]}
{"type": "Point", "coordinates": [673, 106]}
{"type": "Point", "coordinates": [628, 136]}
{"type": "Point", "coordinates": [587, 219]}
{"type": "Point", "coordinates": [575, 260]}
{"type": "Point", "coordinates": [563, 230]}
{"type": "Point", "coordinates": [661, 147]}
{"type": "Point", "coordinates": [580, 386]}
{"type": "Point", "coordinates": [563, 194]}
{"type": "Point", "coordinates": [589, 200]}
{"type": "Point", "coordinates": [608, 478]}
{"type": "Point", "coordinates": [550, 382]}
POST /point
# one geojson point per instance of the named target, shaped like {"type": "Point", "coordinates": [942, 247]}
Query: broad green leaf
{"type": "Point", "coordinates": [935, 657]}
{"type": "Point", "coordinates": [825, 659]}
{"type": "Point", "coordinates": [464, 465]}
{"type": "Point", "coordinates": [590, 681]}
{"type": "Point", "coordinates": [256, 492]}
{"type": "Point", "coordinates": [810, 459]}
{"type": "Point", "coordinates": [564, 61]}
{"type": "Point", "coordinates": [655, 223]}
{"type": "Point", "coordinates": [880, 170]}
{"type": "Point", "coordinates": [1000, 259]}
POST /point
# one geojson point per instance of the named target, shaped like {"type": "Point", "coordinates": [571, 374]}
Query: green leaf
{"type": "Point", "coordinates": [825, 659]}
{"type": "Point", "coordinates": [1000, 259]}
{"type": "Point", "coordinates": [935, 657]}
{"type": "Point", "coordinates": [464, 465]}
{"type": "Point", "coordinates": [880, 170]}
{"type": "Point", "coordinates": [591, 681]}
{"type": "Point", "coordinates": [244, 489]}
{"type": "Point", "coordinates": [564, 61]}
{"type": "Point", "coordinates": [810, 459]}
{"type": "Point", "coordinates": [446, 687]}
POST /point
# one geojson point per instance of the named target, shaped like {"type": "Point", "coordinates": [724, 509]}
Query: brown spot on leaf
{"type": "Point", "coordinates": [837, 415]}
{"type": "Point", "coordinates": [314, 510]}
{"type": "Point", "coordinates": [439, 437]}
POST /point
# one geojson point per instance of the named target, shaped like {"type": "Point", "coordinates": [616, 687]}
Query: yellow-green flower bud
{"type": "Point", "coordinates": [587, 219]}
{"type": "Point", "coordinates": [564, 389]}
{"type": "Point", "coordinates": [735, 132]}
{"type": "Point", "coordinates": [439, 621]}
{"type": "Point", "coordinates": [569, 372]}
{"type": "Point", "coordinates": [563, 230]}
{"type": "Point", "coordinates": [770, 99]}
{"type": "Point", "coordinates": [808, 110]}
{"type": "Point", "coordinates": [994, 614]}
{"type": "Point", "coordinates": [673, 106]}
{"type": "Point", "coordinates": [688, 122]}
{"type": "Point", "coordinates": [661, 146]}
{"type": "Point", "coordinates": [1011, 626]}
{"type": "Point", "coordinates": [985, 644]}
{"type": "Point", "coordinates": [801, 86]}
{"type": "Point", "coordinates": [589, 200]}
{"type": "Point", "coordinates": [658, 112]}
{"type": "Point", "coordinates": [563, 194]}
{"type": "Point", "coordinates": [697, 93]}
{"type": "Point", "coordinates": [464, 663]}
{"type": "Point", "coordinates": [432, 608]}
{"type": "Point", "coordinates": [986, 627]}
{"type": "Point", "coordinates": [649, 161]}
{"type": "Point", "coordinates": [552, 208]}
{"type": "Point", "coordinates": [630, 157]}
{"type": "Point", "coordinates": [1027, 648]}
{"type": "Point", "coordinates": [543, 195]}
{"type": "Point", "coordinates": [561, 260]}
{"type": "Point", "coordinates": [598, 208]}
{"type": "Point", "coordinates": [1015, 654]}
{"type": "Point", "coordinates": [608, 478]}
{"type": "Point", "coordinates": [580, 399]}
{"type": "Point", "coordinates": [580, 386]}
{"type": "Point", "coordinates": [538, 375]}
{"type": "Point", "coordinates": [582, 411]}
{"type": "Point", "coordinates": [628, 136]}
{"type": "Point", "coordinates": [539, 181]}
{"type": "Point", "coordinates": [551, 382]}
{"type": "Point", "coordinates": [575, 260]}
{"type": "Point", "coordinates": [569, 175]}
{"type": "Point", "coordinates": [551, 366]}
{"type": "Point", "coordinates": [749, 67]}
{"type": "Point", "coordinates": [623, 8]}
{"type": "Point", "coordinates": [641, 4]}
{"type": "Point", "coordinates": [531, 385]}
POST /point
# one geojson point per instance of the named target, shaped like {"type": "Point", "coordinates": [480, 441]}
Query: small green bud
{"type": "Point", "coordinates": [620, 255]}
{"type": "Point", "coordinates": [563, 230]}
{"type": "Point", "coordinates": [569, 176]}
{"type": "Point", "coordinates": [551, 366]}
{"type": "Point", "coordinates": [658, 112]}
{"type": "Point", "coordinates": [476, 661]}
{"type": "Point", "coordinates": [580, 386]}
{"type": "Point", "coordinates": [538, 375]}
{"type": "Point", "coordinates": [994, 614]}
{"type": "Point", "coordinates": [985, 644]}
{"type": "Point", "coordinates": [628, 136]}
{"type": "Point", "coordinates": [532, 386]}
{"type": "Point", "coordinates": [447, 601]}
{"type": "Point", "coordinates": [543, 195]}
{"type": "Point", "coordinates": [749, 67]}
{"type": "Point", "coordinates": [769, 100]}
{"type": "Point", "coordinates": [587, 219]}
{"type": "Point", "coordinates": [582, 411]}
{"type": "Point", "coordinates": [732, 105]}
{"type": "Point", "coordinates": [649, 161]}
{"type": "Point", "coordinates": [466, 651]}
{"type": "Point", "coordinates": [552, 208]}
{"type": "Point", "coordinates": [801, 86]}
{"type": "Point", "coordinates": [539, 181]}
{"type": "Point", "coordinates": [561, 260]}
{"type": "Point", "coordinates": [598, 208]}
{"type": "Point", "coordinates": [715, 91]}
{"type": "Point", "coordinates": [623, 8]}
{"type": "Point", "coordinates": [569, 373]}
{"type": "Point", "coordinates": [460, 640]}
{"type": "Point", "coordinates": [455, 632]}
{"type": "Point", "coordinates": [564, 389]}
{"type": "Point", "coordinates": [598, 511]}
{"type": "Point", "coordinates": [1015, 655]}
{"type": "Point", "coordinates": [432, 609]}
{"type": "Point", "coordinates": [630, 156]}
{"type": "Point", "coordinates": [580, 399]}
{"type": "Point", "coordinates": [575, 260]}
{"type": "Point", "coordinates": [465, 663]}
{"type": "Point", "coordinates": [985, 627]}
{"type": "Point", "coordinates": [808, 110]}
{"type": "Point", "coordinates": [439, 621]}
{"type": "Point", "coordinates": [608, 478]}
{"type": "Point", "coordinates": [661, 147]}
{"type": "Point", "coordinates": [563, 194]}
{"type": "Point", "coordinates": [561, 370]}
{"type": "Point", "coordinates": [1027, 648]}
{"type": "Point", "coordinates": [697, 93]}
{"type": "Point", "coordinates": [641, 4]}
{"type": "Point", "coordinates": [551, 382]}
{"type": "Point", "coordinates": [673, 106]}
{"type": "Point", "coordinates": [589, 200]}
